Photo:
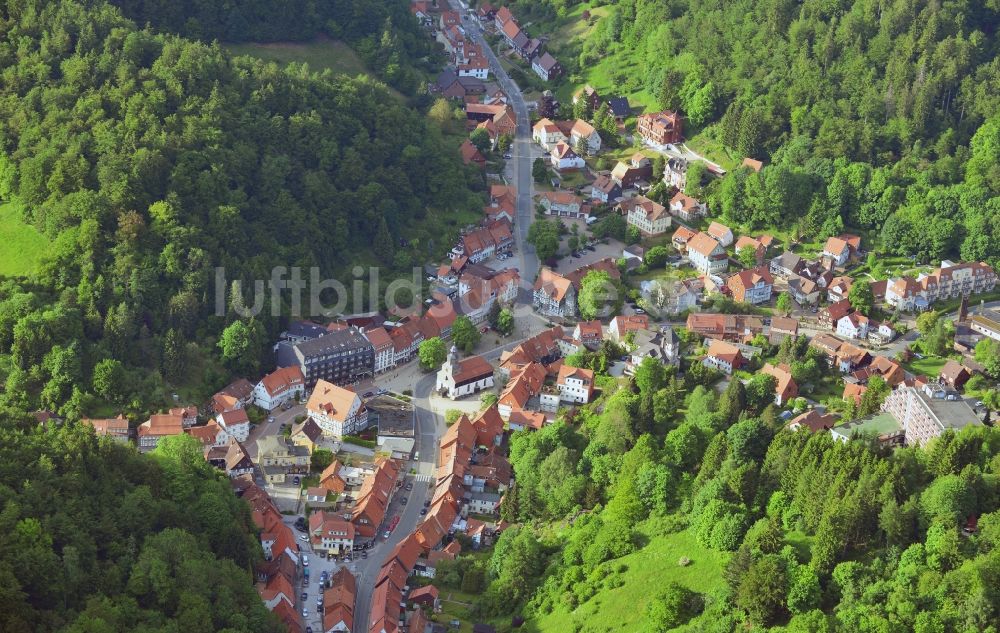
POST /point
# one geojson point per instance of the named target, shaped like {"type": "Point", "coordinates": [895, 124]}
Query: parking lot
{"type": "Point", "coordinates": [612, 249]}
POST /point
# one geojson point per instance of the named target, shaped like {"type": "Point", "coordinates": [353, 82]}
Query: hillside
{"type": "Point", "coordinates": [99, 538]}
{"type": "Point", "coordinates": [666, 507]}
{"type": "Point", "coordinates": [878, 119]}
{"type": "Point", "coordinates": [146, 161]}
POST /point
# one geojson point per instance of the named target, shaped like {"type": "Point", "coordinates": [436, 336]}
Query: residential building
{"type": "Point", "coordinates": [373, 498]}
{"type": "Point", "coordinates": [786, 264]}
{"type": "Point", "coordinates": [620, 326]}
{"type": "Point", "coordinates": [880, 333]}
{"type": "Point", "coordinates": [619, 108]}
{"type": "Point", "coordinates": [662, 345]}
{"type": "Point", "coordinates": [554, 295]}
{"type": "Point", "coordinates": [235, 395]}
{"type": "Point", "coordinates": [782, 327]}
{"type": "Point", "coordinates": [337, 410]}
{"type": "Point", "coordinates": [547, 134]}
{"type": "Point", "coordinates": [584, 133]}
{"type": "Point", "coordinates": [954, 374]}
{"type": "Point", "coordinates": [752, 285]}
{"type": "Point", "coordinates": [949, 281]}
{"type": "Point", "coordinates": [687, 208]}
{"type": "Point", "coordinates": [630, 174]}
{"type": "Point", "coordinates": [923, 417]}
{"type": "Point", "coordinates": [675, 172]}
{"type": "Point", "coordinates": [813, 420]}
{"type": "Point", "coordinates": [343, 356]}
{"type": "Point", "coordinates": [649, 217]}
{"type": "Point", "coordinates": [563, 158]}
{"type": "Point", "coordinates": [564, 204]}
{"type": "Point", "coordinates": [752, 164]}
{"type": "Point", "coordinates": [681, 237]}
{"type": "Point", "coordinates": [235, 423]}
{"type": "Point", "coordinates": [605, 189]}
{"type": "Point", "coordinates": [727, 327]}
{"type": "Point", "coordinates": [830, 316]}
{"type": "Point", "coordinates": [672, 297]}
{"type": "Point", "coordinates": [721, 233]}
{"type": "Point", "coordinates": [575, 385]}
{"type": "Point", "coordinates": [115, 428]}
{"type": "Point", "coordinates": [707, 255]}
{"type": "Point", "coordinates": [278, 458]}
{"type": "Point", "coordinates": [278, 387]}
{"type": "Point", "coordinates": [589, 94]}
{"type": "Point", "coordinates": [381, 344]}
{"type": "Point", "coordinates": [838, 250]}
{"type": "Point", "coordinates": [158, 426]}
{"type": "Point", "coordinates": [805, 291]}
{"type": "Point", "coordinates": [458, 378]}
{"type": "Point", "coordinates": [785, 388]}
{"type": "Point", "coordinates": [546, 67]}
{"type": "Point", "coordinates": [660, 128]}
{"type": "Point", "coordinates": [339, 601]}
{"type": "Point", "coordinates": [747, 242]}
{"type": "Point", "coordinates": [471, 154]}
{"type": "Point", "coordinates": [330, 534]}
{"type": "Point", "coordinates": [838, 289]}
{"type": "Point", "coordinates": [853, 325]}
{"type": "Point", "coordinates": [306, 434]}
{"type": "Point", "coordinates": [723, 357]}
{"type": "Point", "coordinates": [590, 333]}
{"type": "Point", "coordinates": [479, 245]}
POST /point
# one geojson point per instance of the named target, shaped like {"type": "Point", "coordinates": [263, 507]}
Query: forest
{"type": "Point", "coordinates": [815, 535]}
{"type": "Point", "coordinates": [99, 538]}
{"type": "Point", "coordinates": [876, 117]}
{"type": "Point", "coordinates": [146, 160]}
{"type": "Point", "coordinates": [383, 32]}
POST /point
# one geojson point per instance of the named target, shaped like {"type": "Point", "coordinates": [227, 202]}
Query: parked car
{"type": "Point", "coordinates": [369, 394]}
{"type": "Point", "coordinates": [364, 554]}
{"type": "Point", "coordinates": [386, 534]}
{"type": "Point", "coordinates": [304, 596]}
{"type": "Point", "coordinates": [304, 537]}
{"type": "Point", "coordinates": [296, 480]}
{"type": "Point", "coordinates": [305, 612]}
{"type": "Point", "coordinates": [423, 511]}
{"type": "Point", "coordinates": [270, 418]}
{"type": "Point", "coordinates": [305, 560]}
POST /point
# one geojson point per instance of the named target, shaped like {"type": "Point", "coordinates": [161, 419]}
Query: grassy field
{"type": "Point", "coordinates": [21, 245]}
{"type": "Point", "coordinates": [927, 366]}
{"type": "Point", "coordinates": [624, 608]}
{"type": "Point", "coordinates": [320, 53]}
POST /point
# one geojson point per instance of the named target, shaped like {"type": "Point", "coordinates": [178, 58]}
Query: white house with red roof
{"type": "Point", "coordinates": [330, 533]}
{"type": "Point", "coordinates": [235, 423]}
{"type": "Point", "coordinates": [384, 353]}
{"type": "Point", "coordinates": [575, 385]}
{"type": "Point", "coordinates": [564, 158]}
{"type": "Point", "coordinates": [278, 387]}
{"type": "Point", "coordinates": [338, 411]}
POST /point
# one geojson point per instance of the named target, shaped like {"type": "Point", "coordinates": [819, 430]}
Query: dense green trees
{"type": "Point", "coordinates": [811, 523]}
{"type": "Point", "coordinates": [905, 150]}
{"type": "Point", "coordinates": [432, 353]}
{"type": "Point", "coordinates": [99, 538]}
{"type": "Point", "coordinates": [383, 32]}
{"type": "Point", "coordinates": [148, 161]}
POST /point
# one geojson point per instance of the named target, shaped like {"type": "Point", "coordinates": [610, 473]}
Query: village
{"type": "Point", "coordinates": [367, 467]}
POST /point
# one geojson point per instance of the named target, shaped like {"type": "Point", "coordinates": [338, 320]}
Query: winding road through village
{"type": "Point", "coordinates": [429, 425]}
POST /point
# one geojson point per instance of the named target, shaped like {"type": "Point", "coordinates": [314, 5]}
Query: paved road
{"type": "Point", "coordinates": [429, 428]}
{"type": "Point", "coordinates": [521, 156]}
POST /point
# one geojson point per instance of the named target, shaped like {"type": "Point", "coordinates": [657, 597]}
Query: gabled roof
{"type": "Point", "coordinates": [723, 351]}
{"type": "Point", "coordinates": [332, 400]}
{"type": "Point", "coordinates": [546, 62]}
{"type": "Point", "coordinates": [703, 244]}
{"type": "Point", "coordinates": [552, 284]}
{"type": "Point", "coordinates": [719, 231]}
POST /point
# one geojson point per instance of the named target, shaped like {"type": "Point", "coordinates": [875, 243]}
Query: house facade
{"type": "Point", "coordinates": [660, 128]}
{"type": "Point", "coordinates": [554, 294]}
{"type": "Point", "coordinates": [707, 255]}
{"type": "Point", "coordinates": [753, 285]}
{"type": "Point", "coordinates": [337, 410]}
{"type": "Point", "coordinates": [575, 385]}
{"type": "Point", "coordinates": [278, 387]}
{"type": "Point", "coordinates": [561, 204]}
{"type": "Point", "coordinates": [647, 216]}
